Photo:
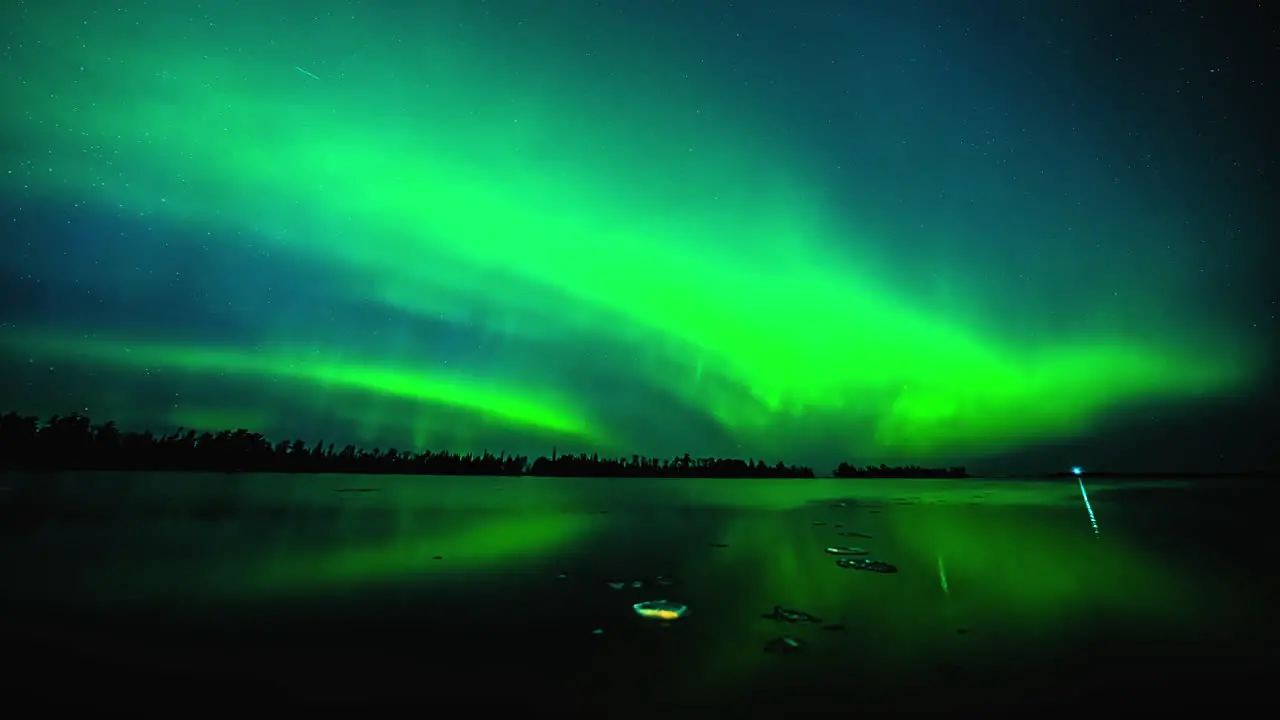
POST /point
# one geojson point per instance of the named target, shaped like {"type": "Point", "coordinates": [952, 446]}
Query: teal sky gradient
{"type": "Point", "coordinates": [513, 226]}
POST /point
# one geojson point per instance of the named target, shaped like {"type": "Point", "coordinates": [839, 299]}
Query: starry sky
{"type": "Point", "coordinates": [1011, 235]}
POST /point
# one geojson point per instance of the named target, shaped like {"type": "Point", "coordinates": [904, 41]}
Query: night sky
{"type": "Point", "coordinates": [1013, 235]}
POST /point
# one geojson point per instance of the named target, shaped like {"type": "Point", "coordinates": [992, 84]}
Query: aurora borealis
{"type": "Point", "coordinates": [885, 235]}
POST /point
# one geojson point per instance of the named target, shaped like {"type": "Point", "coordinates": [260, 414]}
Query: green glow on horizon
{"type": "Point", "coordinates": [319, 368]}
{"type": "Point", "coordinates": [469, 197]}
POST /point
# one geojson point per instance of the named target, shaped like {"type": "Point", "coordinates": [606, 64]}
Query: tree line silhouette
{"type": "Point", "coordinates": [73, 442]}
{"type": "Point", "coordinates": [845, 470]}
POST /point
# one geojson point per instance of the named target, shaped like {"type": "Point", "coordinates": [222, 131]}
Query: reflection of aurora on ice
{"type": "Point", "coordinates": [1093, 520]}
{"type": "Point", "coordinates": [1021, 572]}
{"type": "Point", "coordinates": [1026, 570]}
{"type": "Point", "coordinates": [479, 545]}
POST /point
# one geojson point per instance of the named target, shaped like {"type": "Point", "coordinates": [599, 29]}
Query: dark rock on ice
{"type": "Point", "coordinates": [876, 566]}
{"type": "Point", "coordinates": [792, 616]}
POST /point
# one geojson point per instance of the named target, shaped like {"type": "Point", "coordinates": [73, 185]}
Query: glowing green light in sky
{"type": "Point", "coordinates": [426, 183]}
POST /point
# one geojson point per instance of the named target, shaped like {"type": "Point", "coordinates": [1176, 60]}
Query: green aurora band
{"type": "Point", "coordinates": [539, 210]}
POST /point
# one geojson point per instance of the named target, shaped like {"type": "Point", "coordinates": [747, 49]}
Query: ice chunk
{"type": "Point", "coordinates": [847, 550]}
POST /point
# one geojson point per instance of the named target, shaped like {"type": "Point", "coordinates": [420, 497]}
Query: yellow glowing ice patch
{"type": "Point", "coordinates": [661, 610]}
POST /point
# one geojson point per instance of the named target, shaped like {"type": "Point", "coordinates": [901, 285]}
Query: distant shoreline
{"type": "Point", "coordinates": [1136, 477]}
{"type": "Point", "coordinates": [1104, 475]}
{"type": "Point", "coordinates": [72, 443]}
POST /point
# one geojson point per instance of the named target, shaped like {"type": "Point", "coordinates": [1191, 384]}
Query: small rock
{"type": "Point", "coordinates": [784, 644]}
{"type": "Point", "coordinates": [792, 616]}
